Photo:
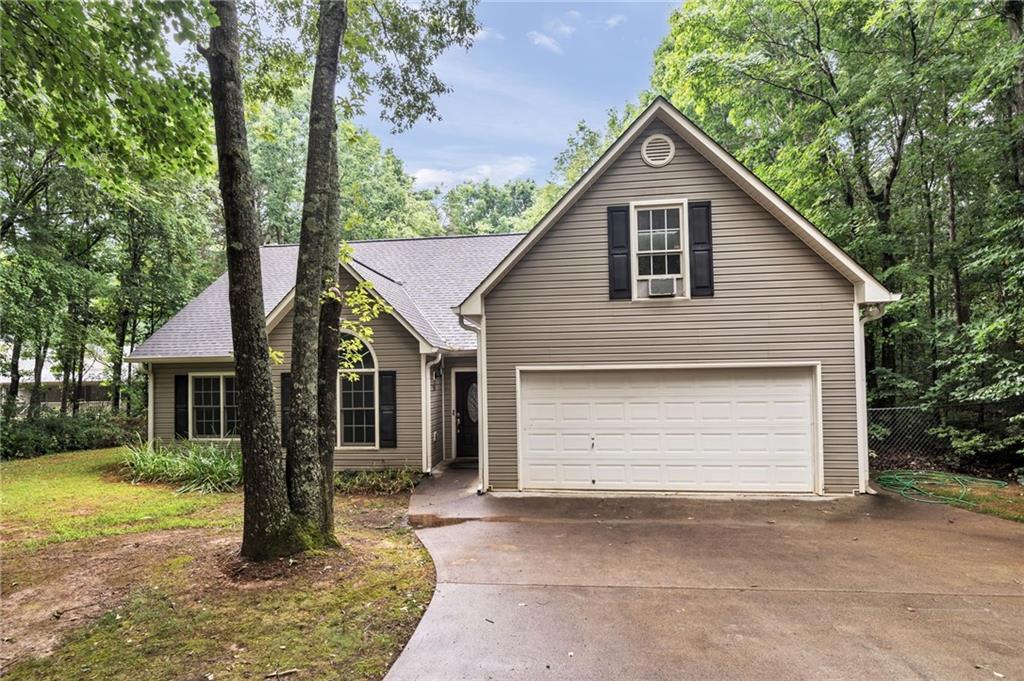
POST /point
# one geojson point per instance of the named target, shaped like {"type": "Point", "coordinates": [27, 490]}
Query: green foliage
{"type": "Point", "coordinates": [385, 482]}
{"type": "Point", "coordinates": [202, 467]}
{"type": "Point", "coordinates": [486, 208]}
{"type": "Point", "coordinates": [389, 52]}
{"type": "Point", "coordinates": [377, 196]}
{"type": "Point", "coordinates": [54, 432]}
{"type": "Point", "coordinates": [96, 81]}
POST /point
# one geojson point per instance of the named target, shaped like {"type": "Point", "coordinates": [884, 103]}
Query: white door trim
{"type": "Point", "coordinates": [461, 370]}
{"type": "Point", "coordinates": [816, 399]}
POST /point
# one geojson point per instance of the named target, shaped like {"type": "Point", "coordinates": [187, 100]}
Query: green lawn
{"type": "Point", "coordinates": [74, 496]}
{"type": "Point", "coordinates": [141, 582]}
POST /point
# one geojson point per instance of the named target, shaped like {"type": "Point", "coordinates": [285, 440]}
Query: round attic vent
{"type": "Point", "coordinates": [657, 150]}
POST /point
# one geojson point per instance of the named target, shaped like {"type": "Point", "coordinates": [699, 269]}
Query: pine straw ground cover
{"type": "Point", "coordinates": [102, 579]}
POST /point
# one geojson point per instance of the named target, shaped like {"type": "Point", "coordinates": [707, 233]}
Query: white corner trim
{"type": "Point", "coordinates": [861, 391]}
{"type": "Point", "coordinates": [427, 366]}
{"type": "Point", "coordinates": [481, 382]}
{"type": "Point", "coordinates": [867, 288]}
{"type": "Point", "coordinates": [818, 446]}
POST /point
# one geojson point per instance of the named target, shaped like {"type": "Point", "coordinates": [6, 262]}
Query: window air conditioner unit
{"type": "Point", "coordinates": [661, 287]}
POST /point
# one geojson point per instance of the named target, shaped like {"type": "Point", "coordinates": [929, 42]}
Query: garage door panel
{"type": "Point", "coordinates": [682, 430]}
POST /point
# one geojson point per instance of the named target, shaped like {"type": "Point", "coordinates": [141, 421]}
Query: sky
{"type": "Point", "coordinates": [534, 71]}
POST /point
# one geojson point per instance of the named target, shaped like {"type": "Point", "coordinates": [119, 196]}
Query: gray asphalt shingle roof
{"type": "Point", "coordinates": [422, 279]}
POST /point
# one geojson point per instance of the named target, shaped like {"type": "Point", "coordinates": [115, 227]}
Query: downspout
{"type": "Point", "coordinates": [870, 314]}
{"type": "Point", "coordinates": [480, 371]}
{"type": "Point", "coordinates": [428, 430]}
{"type": "Point", "coordinates": [150, 399]}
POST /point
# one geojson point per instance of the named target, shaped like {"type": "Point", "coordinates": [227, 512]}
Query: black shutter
{"type": "Point", "coordinates": [388, 410]}
{"type": "Point", "coordinates": [286, 407]}
{"type": "Point", "coordinates": [702, 278]}
{"type": "Point", "coordinates": [619, 283]}
{"type": "Point", "coordinates": [180, 406]}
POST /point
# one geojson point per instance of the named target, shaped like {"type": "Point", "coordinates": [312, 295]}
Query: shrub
{"type": "Point", "coordinates": [390, 481]}
{"type": "Point", "coordinates": [53, 432]}
{"type": "Point", "coordinates": [202, 467]}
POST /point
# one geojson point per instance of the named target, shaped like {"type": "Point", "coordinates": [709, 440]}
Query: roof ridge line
{"type": "Point", "coordinates": [375, 271]}
{"type": "Point", "coordinates": [408, 297]}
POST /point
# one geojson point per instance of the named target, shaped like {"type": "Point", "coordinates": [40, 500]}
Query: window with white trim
{"type": "Point", "coordinates": [357, 403]}
{"type": "Point", "coordinates": [659, 241]}
{"type": "Point", "coordinates": [214, 406]}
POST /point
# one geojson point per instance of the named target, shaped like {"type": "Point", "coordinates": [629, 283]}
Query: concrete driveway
{"type": "Point", "coordinates": [685, 588]}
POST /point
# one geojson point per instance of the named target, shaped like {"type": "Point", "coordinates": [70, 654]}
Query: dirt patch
{"type": "Point", "coordinates": [64, 586]}
{"type": "Point", "coordinates": [49, 592]}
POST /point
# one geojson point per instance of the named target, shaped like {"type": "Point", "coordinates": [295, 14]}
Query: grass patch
{"type": "Point", "coordinates": [350, 627]}
{"type": "Point", "coordinates": [1005, 502]}
{"type": "Point", "coordinates": [186, 606]}
{"type": "Point", "coordinates": [68, 497]}
{"type": "Point", "coordinates": [393, 481]}
{"type": "Point", "coordinates": [202, 467]}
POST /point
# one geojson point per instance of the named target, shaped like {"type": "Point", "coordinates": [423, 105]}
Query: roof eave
{"type": "Point", "coordinates": [867, 288]}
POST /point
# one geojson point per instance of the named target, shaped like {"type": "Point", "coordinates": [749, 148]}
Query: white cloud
{"type": "Point", "coordinates": [543, 40]}
{"type": "Point", "coordinates": [613, 21]}
{"type": "Point", "coordinates": [499, 170]}
{"type": "Point", "coordinates": [486, 33]}
{"type": "Point", "coordinates": [573, 15]}
{"type": "Point", "coordinates": [559, 27]}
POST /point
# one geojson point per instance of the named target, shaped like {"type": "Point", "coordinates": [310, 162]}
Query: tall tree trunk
{"type": "Point", "coordinates": [305, 471]}
{"type": "Point", "coordinates": [960, 311]}
{"type": "Point", "coordinates": [77, 394]}
{"type": "Point", "coordinates": [327, 365]}
{"type": "Point", "coordinates": [117, 358]}
{"type": "Point", "coordinates": [11, 398]}
{"type": "Point", "coordinates": [35, 401]}
{"type": "Point", "coordinates": [68, 364]}
{"type": "Point", "coordinates": [932, 302]}
{"type": "Point", "coordinates": [269, 529]}
{"type": "Point", "coordinates": [1013, 14]}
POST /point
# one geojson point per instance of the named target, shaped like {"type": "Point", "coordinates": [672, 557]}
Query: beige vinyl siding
{"type": "Point", "coordinates": [163, 392]}
{"type": "Point", "coordinates": [775, 300]}
{"type": "Point", "coordinates": [436, 417]}
{"type": "Point", "coordinates": [396, 350]}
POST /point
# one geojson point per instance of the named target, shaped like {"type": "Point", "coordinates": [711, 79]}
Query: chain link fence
{"type": "Point", "coordinates": [899, 437]}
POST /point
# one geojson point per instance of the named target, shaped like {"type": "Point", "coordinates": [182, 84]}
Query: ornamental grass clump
{"type": "Point", "coordinates": [201, 467]}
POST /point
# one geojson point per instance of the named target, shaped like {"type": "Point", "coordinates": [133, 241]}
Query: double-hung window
{"type": "Point", "coordinates": [357, 406]}
{"type": "Point", "coordinates": [214, 406]}
{"type": "Point", "coordinates": [659, 241]}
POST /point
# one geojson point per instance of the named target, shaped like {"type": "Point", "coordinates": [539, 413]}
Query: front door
{"type": "Point", "coordinates": [467, 415]}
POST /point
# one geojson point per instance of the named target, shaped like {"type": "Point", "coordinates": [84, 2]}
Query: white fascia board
{"type": "Point", "coordinates": [867, 288]}
{"type": "Point", "coordinates": [181, 360]}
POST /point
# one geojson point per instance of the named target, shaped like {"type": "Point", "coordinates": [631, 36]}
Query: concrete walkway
{"type": "Point", "coordinates": [671, 588]}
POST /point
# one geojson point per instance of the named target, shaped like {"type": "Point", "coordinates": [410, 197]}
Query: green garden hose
{"type": "Point", "coordinates": [934, 487]}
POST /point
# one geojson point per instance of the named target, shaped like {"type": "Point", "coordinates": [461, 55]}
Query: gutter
{"type": "Point", "coordinates": [480, 369]}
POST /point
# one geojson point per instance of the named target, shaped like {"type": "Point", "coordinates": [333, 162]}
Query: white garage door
{"type": "Point", "coordinates": [702, 430]}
